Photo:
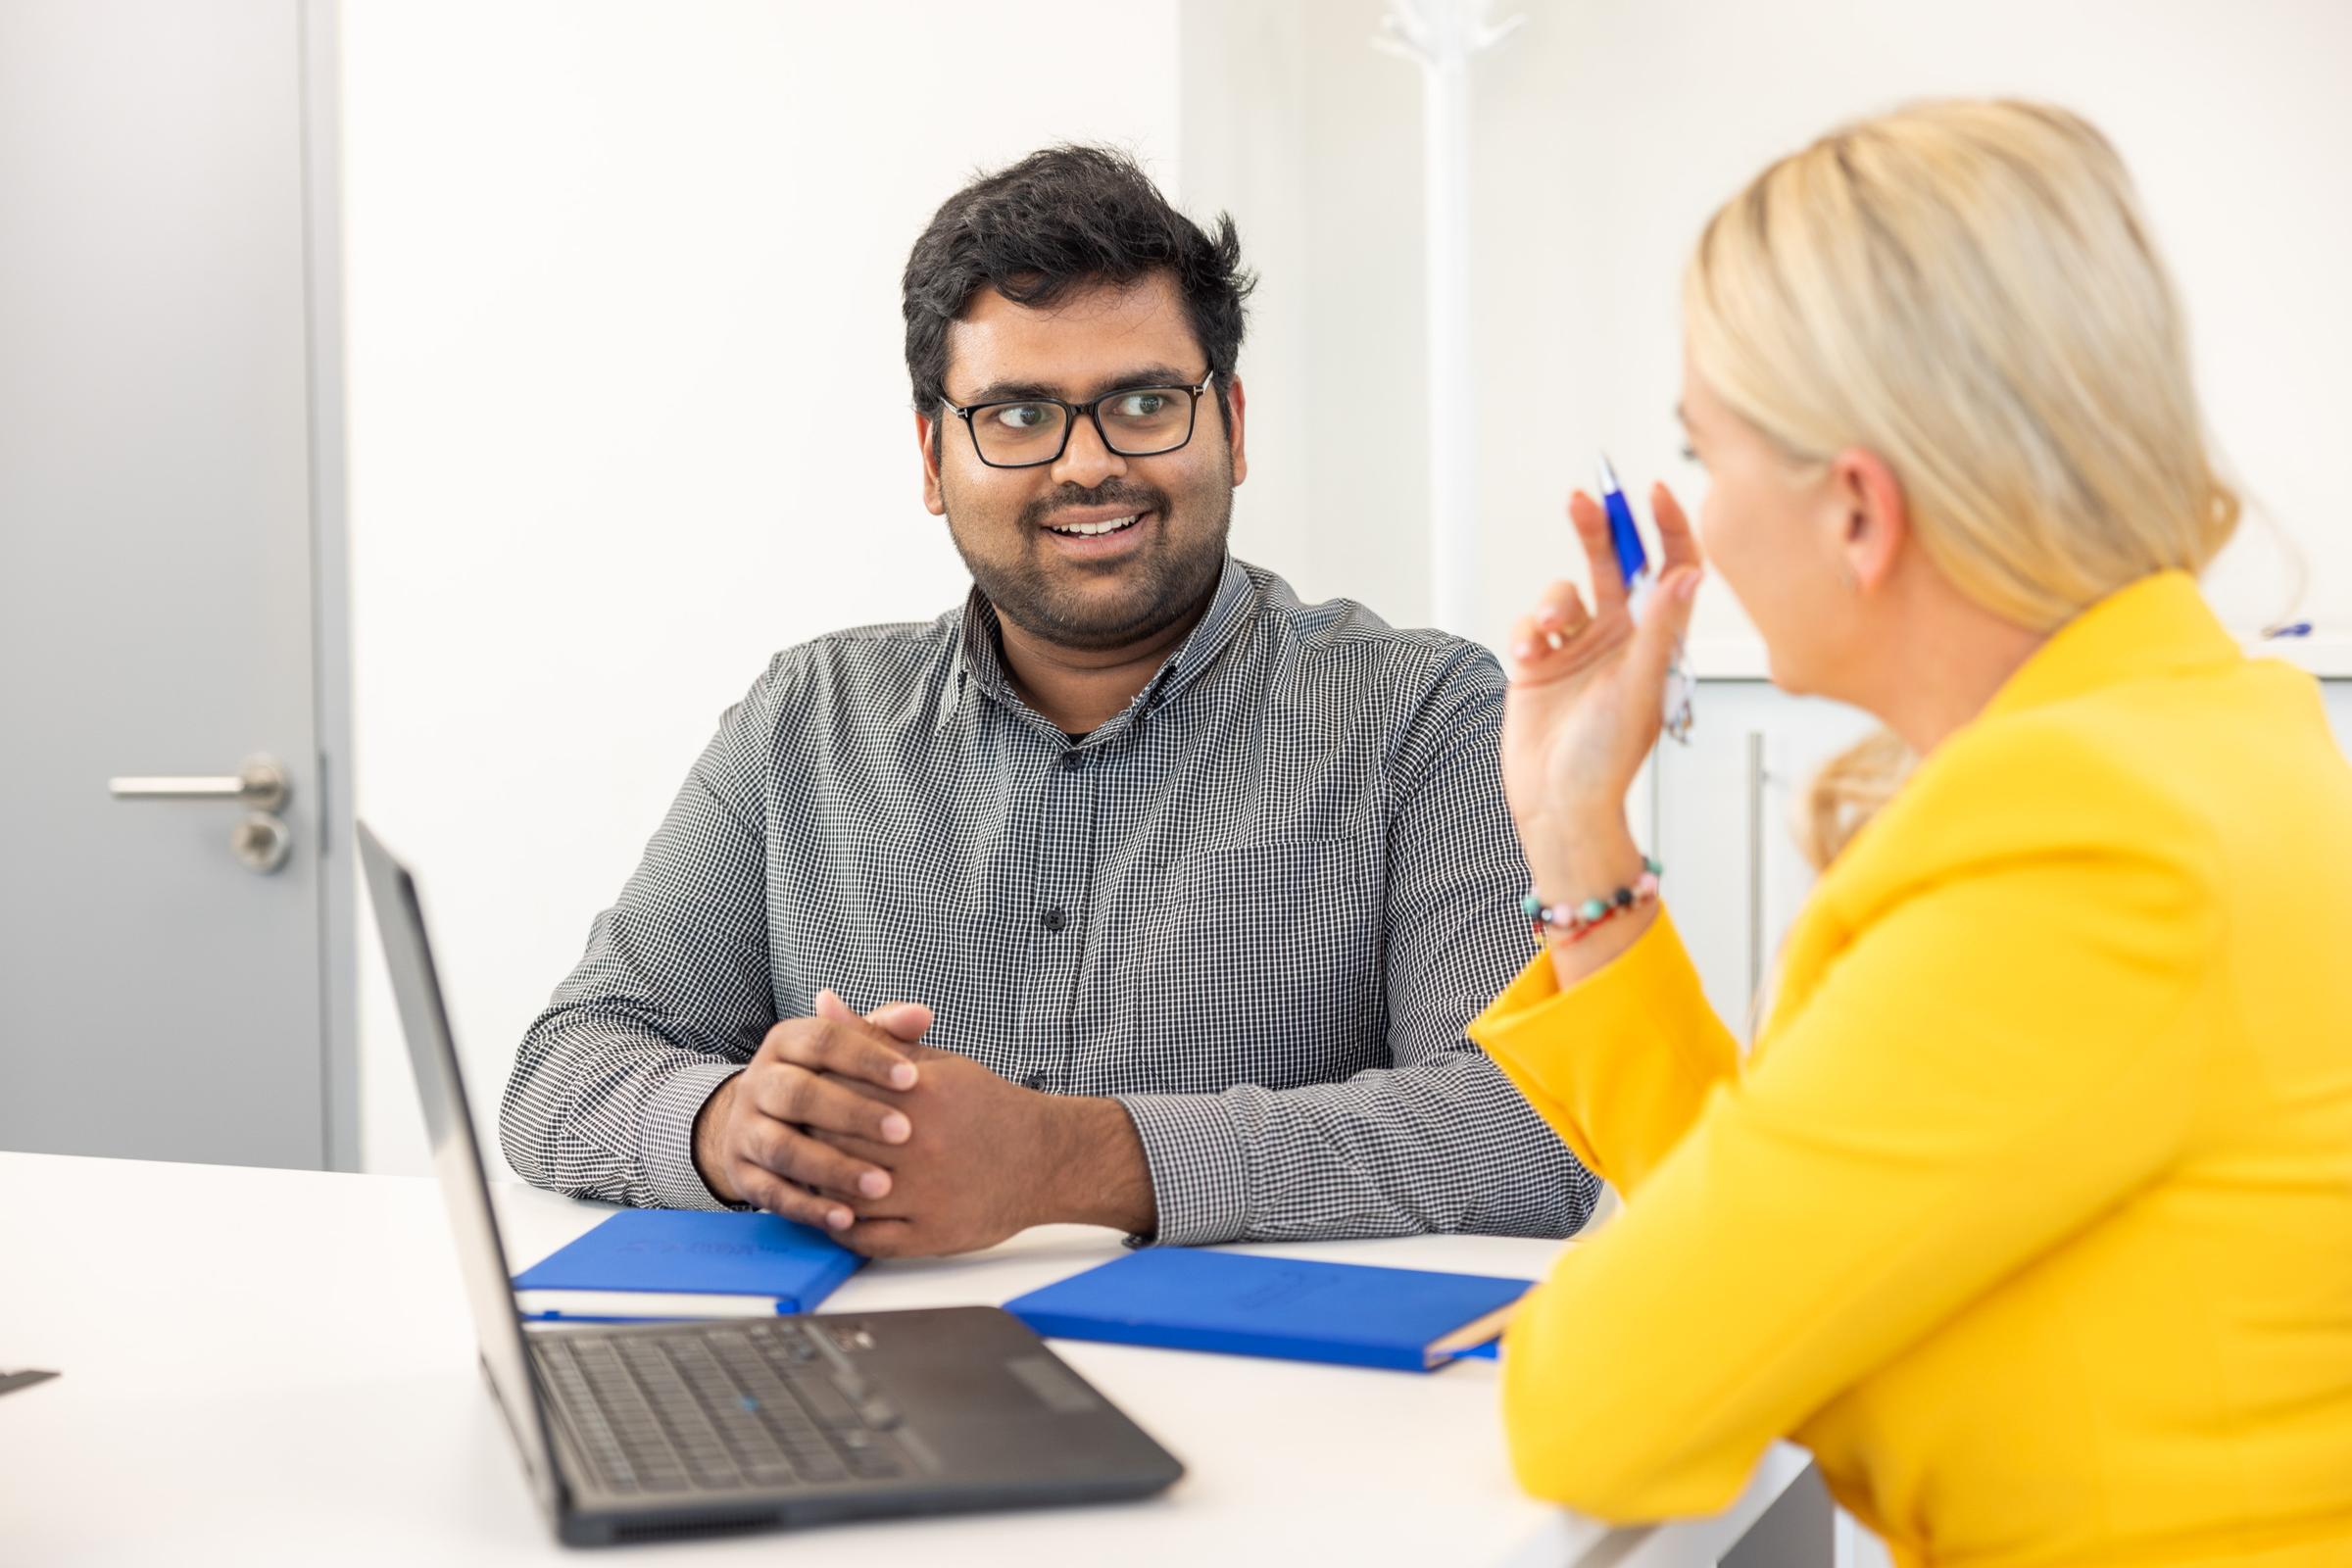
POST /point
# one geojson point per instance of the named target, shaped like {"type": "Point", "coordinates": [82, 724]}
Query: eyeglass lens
{"type": "Point", "coordinates": [1135, 423]}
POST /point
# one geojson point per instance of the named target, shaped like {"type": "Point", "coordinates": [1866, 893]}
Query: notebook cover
{"type": "Point", "coordinates": [687, 1251]}
{"type": "Point", "coordinates": [1254, 1305]}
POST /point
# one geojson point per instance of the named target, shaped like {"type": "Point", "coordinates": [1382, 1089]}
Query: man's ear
{"type": "Point", "coordinates": [1233, 400]}
{"type": "Point", "coordinates": [1872, 521]}
{"type": "Point", "coordinates": [926, 440]}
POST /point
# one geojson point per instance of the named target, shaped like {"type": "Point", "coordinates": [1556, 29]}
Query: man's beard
{"type": "Point", "coordinates": [1164, 584]}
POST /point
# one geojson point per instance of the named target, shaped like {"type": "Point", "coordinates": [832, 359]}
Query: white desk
{"type": "Point", "coordinates": [276, 1367]}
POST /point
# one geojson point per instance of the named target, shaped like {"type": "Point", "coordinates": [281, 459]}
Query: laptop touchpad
{"type": "Point", "coordinates": [1055, 1384]}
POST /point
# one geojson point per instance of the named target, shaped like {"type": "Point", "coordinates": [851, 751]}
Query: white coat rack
{"type": "Point", "coordinates": [1441, 36]}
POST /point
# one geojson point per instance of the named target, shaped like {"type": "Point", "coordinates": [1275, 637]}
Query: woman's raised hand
{"type": "Point", "coordinates": [1588, 697]}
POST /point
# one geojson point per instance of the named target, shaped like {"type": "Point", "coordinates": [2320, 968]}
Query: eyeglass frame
{"type": "Point", "coordinates": [1071, 411]}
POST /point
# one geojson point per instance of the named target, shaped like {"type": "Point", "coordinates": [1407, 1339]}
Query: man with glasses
{"type": "Point", "coordinates": [1132, 892]}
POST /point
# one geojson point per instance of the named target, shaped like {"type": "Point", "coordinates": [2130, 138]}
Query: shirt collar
{"type": "Point", "coordinates": [1228, 611]}
{"type": "Point", "coordinates": [978, 660]}
{"type": "Point", "coordinates": [2158, 625]}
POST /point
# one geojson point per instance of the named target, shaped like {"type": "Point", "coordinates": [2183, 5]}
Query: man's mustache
{"type": "Point", "coordinates": [1143, 498]}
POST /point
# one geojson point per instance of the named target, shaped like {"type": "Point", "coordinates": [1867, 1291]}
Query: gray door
{"type": "Point", "coordinates": [158, 997]}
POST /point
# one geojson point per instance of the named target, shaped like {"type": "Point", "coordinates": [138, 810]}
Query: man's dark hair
{"type": "Point", "coordinates": [1063, 218]}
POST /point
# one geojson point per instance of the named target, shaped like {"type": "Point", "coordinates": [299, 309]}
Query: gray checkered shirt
{"type": "Point", "coordinates": [1257, 908]}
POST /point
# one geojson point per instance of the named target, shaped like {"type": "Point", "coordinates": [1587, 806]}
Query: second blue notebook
{"type": "Point", "coordinates": [1254, 1304]}
{"type": "Point", "coordinates": [674, 1263]}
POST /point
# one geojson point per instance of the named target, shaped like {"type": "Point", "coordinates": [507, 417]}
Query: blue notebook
{"type": "Point", "coordinates": [683, 1263]}
{"type": "Point", "coordinates": [1252, 1304]}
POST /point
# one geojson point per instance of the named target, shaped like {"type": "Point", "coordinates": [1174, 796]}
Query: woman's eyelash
{"type": "Point", "coordinates": [1690, 453]}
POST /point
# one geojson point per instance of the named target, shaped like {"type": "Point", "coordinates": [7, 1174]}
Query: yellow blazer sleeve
{"type": "Point", "coordinates": [2002, 1052]}
{"type": "Point", "coordinates": [1620, 1062]}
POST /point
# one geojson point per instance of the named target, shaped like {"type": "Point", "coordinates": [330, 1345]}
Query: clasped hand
{"type": "Point", "coordinates": [853, 1126]}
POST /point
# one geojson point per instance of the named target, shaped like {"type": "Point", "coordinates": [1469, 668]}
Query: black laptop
{"type": "Point", "coordinates": [655, 1431]}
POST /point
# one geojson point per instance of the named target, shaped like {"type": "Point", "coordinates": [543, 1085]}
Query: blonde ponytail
{"type": "Point", "coordinates": [1848, 792]}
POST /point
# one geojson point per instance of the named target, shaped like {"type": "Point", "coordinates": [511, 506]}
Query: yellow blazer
{"type": "Point", "coordinates": [2030, 1211]}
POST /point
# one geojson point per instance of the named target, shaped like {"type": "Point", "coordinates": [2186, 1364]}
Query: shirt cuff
{"type": "Point", "coordinates": [665, 1145]}
{"type": "Point", "coordinates": [1199, 1168]}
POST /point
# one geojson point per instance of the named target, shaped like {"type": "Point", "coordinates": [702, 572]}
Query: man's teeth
{"type": "Point", "coordinates": [1107, 526]}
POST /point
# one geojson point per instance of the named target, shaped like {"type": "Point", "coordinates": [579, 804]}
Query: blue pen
{"type": "Point", "coordinates": [1633, 565]}
{"type": "Point", "coordinates": [1624, 537]}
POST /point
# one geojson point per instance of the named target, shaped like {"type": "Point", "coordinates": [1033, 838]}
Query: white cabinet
{"type": "Point", "coordinates": [1722, 812]}
{"type": "Point", "coordinates": [2340, 709]}
{"type": "Point", "coordinates": [1720, 815]}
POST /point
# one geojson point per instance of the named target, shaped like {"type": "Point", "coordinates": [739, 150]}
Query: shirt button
{"type": "Point", "coordinates": [1054, 920]}
{"type": "Point", "coordinates": [1036, 1080]}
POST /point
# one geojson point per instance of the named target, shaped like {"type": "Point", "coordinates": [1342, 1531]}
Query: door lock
{"type": "Point", "coordinates": [261, 843]}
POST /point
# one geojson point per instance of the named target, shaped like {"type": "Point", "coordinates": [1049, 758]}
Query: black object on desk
{"type": "Point", "coordinates": [11, 1382]}
{"type": "Point", "coordinates": [637, 1431]}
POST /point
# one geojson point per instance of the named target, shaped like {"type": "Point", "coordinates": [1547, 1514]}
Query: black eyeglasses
{"type": "Point", "coordinates": [1135, 422]}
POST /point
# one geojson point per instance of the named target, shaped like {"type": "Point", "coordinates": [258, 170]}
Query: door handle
{"type": "Point", "coordinates": [261, 841]}
{"type": "Point", "coordinates": [259, 785]}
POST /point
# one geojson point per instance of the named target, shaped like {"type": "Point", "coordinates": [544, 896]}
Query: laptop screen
{"type": "Point", "coordinates": [457, 1156]}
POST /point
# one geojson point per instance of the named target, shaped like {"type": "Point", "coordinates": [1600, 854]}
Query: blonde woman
{"type": "Point", "coordinates": [2030, 1211]}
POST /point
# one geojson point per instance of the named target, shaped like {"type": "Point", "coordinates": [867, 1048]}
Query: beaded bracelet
{"type": "Point", "coordinates": [1576, 921]}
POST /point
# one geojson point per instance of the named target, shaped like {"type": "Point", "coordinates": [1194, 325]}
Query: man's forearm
{"type": "Point", "coordinates": [1444, 1144]}
{"type": "Point", "coordinates": [1097, 1173]}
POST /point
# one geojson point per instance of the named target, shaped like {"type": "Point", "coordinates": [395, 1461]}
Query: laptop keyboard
{"type": "Point", "coordinates": [720, 1410]}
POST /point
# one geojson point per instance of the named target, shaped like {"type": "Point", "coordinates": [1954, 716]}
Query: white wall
{"type": "Point", "coordinates": [1313, 141]}
{"type": "Point", "coordinates": [628, 410]}
{"type": "Point", "coordinates": [1607, 132]}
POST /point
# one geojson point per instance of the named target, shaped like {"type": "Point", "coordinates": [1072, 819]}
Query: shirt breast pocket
{"type": "Point", "coordinates": [1263, 964]}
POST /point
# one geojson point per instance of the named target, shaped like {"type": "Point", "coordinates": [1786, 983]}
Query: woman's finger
{"type": "Point", "coordinates": [1533, 650]}
{"type": "Point", "coordinates": [1539, 637]}
{"type": "Point", "coordinates": [1674, 530]}
{"type": "Point", "coordinates": [1539, 655]}
{"type": "Point", "coordinates": [1561, 609]}
{"type": "Point", "coordinates": [1664, 621]}
{"type": "Point", "coordinates": [1527, 645]}
{"type": "Point", "coordinates": [1560, 616]}
{"type": "Point", "coordinates": [1600, 551]}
